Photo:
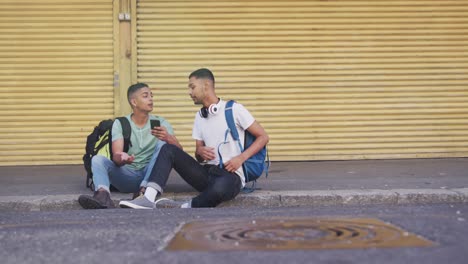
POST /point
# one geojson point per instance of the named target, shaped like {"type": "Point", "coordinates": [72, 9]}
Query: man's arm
{"type": "Point", "coordinates": [162, 134]}
{"type": "Point", "coordinates": [174, 141]}
{"type": "Point", "coordinates": [261, 140]}
{"type": "Point", "coordinates": [198, 145]}
{"type": "Point", "coordinates": [118, 156]}
{"type": "Point", "coordinates": [202, 152]}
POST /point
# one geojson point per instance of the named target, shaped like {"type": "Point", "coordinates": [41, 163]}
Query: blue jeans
{"type": "Point", "coordinates": [215, 184]}
{"type": "Point", "coordinates": [125, 179]}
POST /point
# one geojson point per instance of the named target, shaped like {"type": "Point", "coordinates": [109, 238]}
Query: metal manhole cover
{"type": "Point", "coordinates": [291, 234]}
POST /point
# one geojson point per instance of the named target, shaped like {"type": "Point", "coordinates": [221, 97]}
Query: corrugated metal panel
{"type": "Point", "coordinates": [56, 78]}
{"type": "Point", "coordinates": [351, 79]}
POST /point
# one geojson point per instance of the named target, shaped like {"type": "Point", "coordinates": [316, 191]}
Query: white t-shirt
{"type": "Point", "coordinates": [212, 131]}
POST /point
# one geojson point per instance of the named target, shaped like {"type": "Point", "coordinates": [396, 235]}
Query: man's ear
{"type": "Point", "coordinates": [133, 102]}
{"type": "Point", "coordinates": [207, 83]}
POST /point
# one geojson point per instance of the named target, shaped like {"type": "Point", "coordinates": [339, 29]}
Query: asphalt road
{"type": "Point", "coordinates": [140, 236]}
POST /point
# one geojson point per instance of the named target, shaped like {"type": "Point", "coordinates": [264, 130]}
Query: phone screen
{"type": "Point", "coordinates": [155, 123]}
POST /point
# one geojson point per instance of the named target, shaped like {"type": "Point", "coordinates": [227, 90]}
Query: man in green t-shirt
{"type": "Point", "coordinates": [129, 171]}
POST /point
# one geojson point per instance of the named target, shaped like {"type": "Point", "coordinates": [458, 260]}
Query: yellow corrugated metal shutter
{"type": "Point", "coordinates": [327, 79]}
{"type": "Point", "coordinates": [56, 78]}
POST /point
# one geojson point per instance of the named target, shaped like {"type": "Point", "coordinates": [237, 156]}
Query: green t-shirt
{"type": "Point", "coordinates": [142, 142]}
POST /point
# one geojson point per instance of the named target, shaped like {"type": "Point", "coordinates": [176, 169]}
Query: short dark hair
{"type": "Point", "coordinates": [133, 88]}
{"type": "Point", "coordinates": [203, 73]}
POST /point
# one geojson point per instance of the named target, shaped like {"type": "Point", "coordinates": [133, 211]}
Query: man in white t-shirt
{"type": "Point", "coordinates": [214, 183]}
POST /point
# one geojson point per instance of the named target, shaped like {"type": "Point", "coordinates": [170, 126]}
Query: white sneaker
{"type": "Point", "coordinates": [141, 202]}
{"type": "Point", "coordinates": [168, 203]}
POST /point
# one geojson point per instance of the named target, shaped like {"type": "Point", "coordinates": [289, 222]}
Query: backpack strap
{"type": "Point", "coordinates": [230, 119]}
{"type": "Point", "coordinates": [126, 132]}
{"type": "Point", "coordinates": [229, 115]}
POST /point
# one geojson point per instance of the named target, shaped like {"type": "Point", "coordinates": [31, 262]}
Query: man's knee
{"type": "Point", "coordinates": [223, 189]}
{"type": "Point", "coordinates": [99, 160]}
{"type": "Point", "coordinates": [168, 149]}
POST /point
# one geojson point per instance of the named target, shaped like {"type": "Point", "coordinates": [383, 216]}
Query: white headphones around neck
{"type": "Point", "coordinates": [211, 110]}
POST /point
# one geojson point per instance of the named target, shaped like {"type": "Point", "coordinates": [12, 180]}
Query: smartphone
{"type": "Point", "coordinates": [155, 123]}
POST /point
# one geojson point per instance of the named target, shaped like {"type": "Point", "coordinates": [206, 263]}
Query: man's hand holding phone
{"type": "Point", "coordinates": [159, 131]}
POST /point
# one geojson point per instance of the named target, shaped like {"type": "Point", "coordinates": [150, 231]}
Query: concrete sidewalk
{"type": "Point", "coordinates": [32, 188]}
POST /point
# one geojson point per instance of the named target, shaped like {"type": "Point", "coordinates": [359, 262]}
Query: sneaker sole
{"type": "Point", "coordinates": [125, 204]}
{"type": "Point", "coordinates": [170, 205]}
{"type": "Point", "coordinates": [89, 203]}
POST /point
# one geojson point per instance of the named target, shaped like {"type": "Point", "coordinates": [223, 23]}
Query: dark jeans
{"type": "Point", "coordinates": [215, 185]}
